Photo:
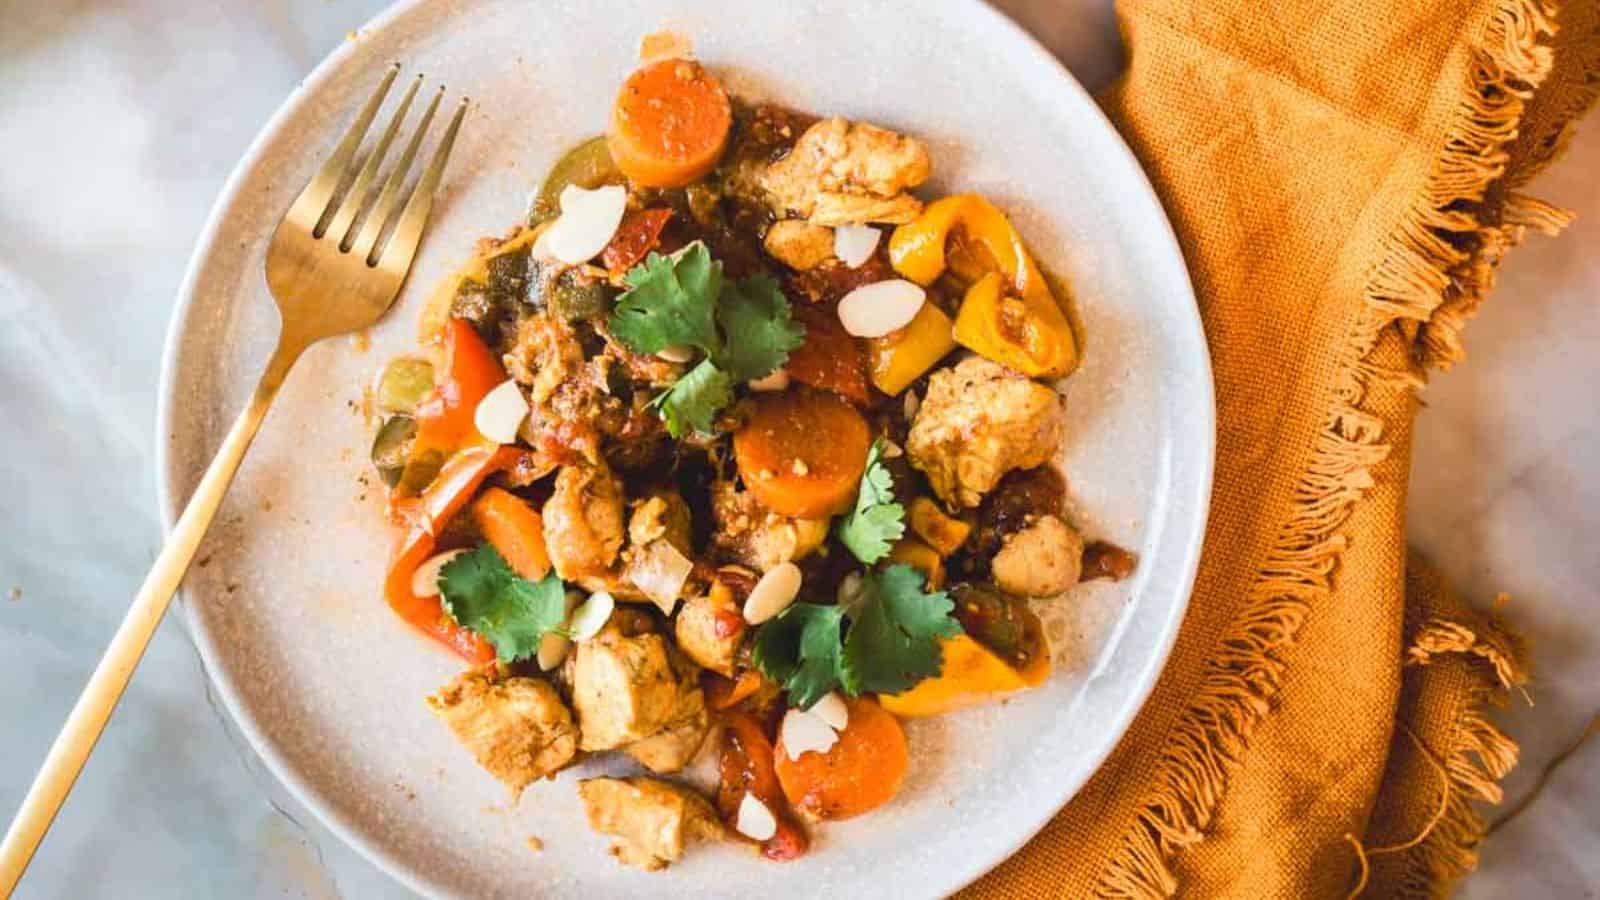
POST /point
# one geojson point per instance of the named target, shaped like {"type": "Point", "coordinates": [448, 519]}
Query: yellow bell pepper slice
{"type": "Point", "coordinates": [971, 674]}
{"type": "Point", "coordinates": [969, 235]}
{"type": "Point", "coordinates": [919, 556]}
{"type": "Point", "coordinates": [1012, 332]}
{"type": "Point", "coordinates": [899, 358]}
{"type": "Point", "coordinates": [941, 531]}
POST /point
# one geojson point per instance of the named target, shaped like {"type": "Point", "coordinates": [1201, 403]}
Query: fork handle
{"type": "Point", "coordinates": [93, 709]}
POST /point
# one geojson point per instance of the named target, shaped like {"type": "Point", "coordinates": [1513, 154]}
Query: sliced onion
{"type": "Point", "coordinates": [588, 619]}
{"type": "Point", "coordinates": [500, 413]}
{"type": "Point", "coordinates": [803, 732]}
{"type": "Point", "coordinates": [659, 570]}
{"type": "Point", "coordinates": [425, 580]}
{"type": "Point", "coordinates": [755, 820]}
{"type": "Point", "coordinates": [874, 310]}
{"type": "Point", "coordinates": [773, 593]}
{"type": "Point", "coordinates": [831, 709]}
{"type": "Point", "coordinates": [854, 244]}
{"type": "Point", "coordinates": [588, 221]}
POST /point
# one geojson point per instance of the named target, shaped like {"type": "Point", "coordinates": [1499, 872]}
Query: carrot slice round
{"type": "Point", "coordinates": [801, 453]}
{"type": "Point", "coordinates": [670, 124]}
{"type": "Point", "coordinates": [860, 772]}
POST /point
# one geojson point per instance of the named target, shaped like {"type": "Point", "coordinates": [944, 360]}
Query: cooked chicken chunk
{"type": "Point", "coordinates": [978, 421]}
{"type": "Point", "coordinates": [799, 245]}
{"type": "Point", "coordinates": [583, 521]}
{"type": "Point", "coordinates": [710, 628]}
{"type": "Point", "coordinates": [683, 737]}
{"type": "Point", "coordinates": [518, 728]}
{"type": "Point", "coordinates": [842, 172]}
{"type": "Point", "coordinates": [653, 820]}
{"type": "Point", "coordinates": [1042, 560]}
{"type": "Point", "coordinates": [663, 515]}
{"type": "Point", "coordinates": [626, 688]}
{"type": "Point", "coordinates": [749, 533]}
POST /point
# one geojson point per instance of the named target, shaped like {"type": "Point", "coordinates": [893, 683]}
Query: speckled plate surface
{"type": "Point", "coordinates": [285, 603]}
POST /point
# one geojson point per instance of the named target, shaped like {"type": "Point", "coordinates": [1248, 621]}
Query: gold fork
{"type": "Point", "coordinates": [328, 277]}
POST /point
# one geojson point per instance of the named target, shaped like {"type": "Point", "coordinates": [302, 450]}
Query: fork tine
{"type": "Point", "coordinates": [313, 201]}
{"type": "Point", "coordinates": [359, 196]}
{"type": "Point", "coordinates": [402, 243]}
{"type": "Point", "coordinates": [381, 211]}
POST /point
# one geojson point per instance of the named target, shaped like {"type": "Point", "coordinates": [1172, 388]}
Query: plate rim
{"type": "Point", "coordinates": [963, 873]}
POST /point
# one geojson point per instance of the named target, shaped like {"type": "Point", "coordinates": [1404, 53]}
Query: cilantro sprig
{"type": "Point", "coordinates": [481, 592]}
{"type": "Point", "coordinates": [886, 642]}
{"type": "Point", "coordinates": [876, 521]}
{"type": "Point", "coordinates": [743, 328]}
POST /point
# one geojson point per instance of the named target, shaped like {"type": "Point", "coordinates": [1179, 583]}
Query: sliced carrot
{"type": "Point", "coordinates": [801, 453]}
{"type": "Point", "coordinates": [860, 772]}
{"type": "Point", "coordinates": [670, 124]}
{"type": "Point", "coordinates": [513, 527]}
{"type": "Point", "coordinates": [830, 358]}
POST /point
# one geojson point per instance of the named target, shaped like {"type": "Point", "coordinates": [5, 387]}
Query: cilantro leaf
{"type": "Point", "coordinates": [670, 300]}
{"type": "Point", "coordinates": [799, 649]}
{"type": "Point", "coordinates": [758, 332]}
{"type": "Point", "coordinates": [479, 590]}
{"type": "Point", "coordinates": [693, 401]}
{"type": "Point", "coordinates": [876, 522]}
{"type": "Point", "coordinates": [743, 328]}
{"type": "Point", "coordinates": [892, 642]}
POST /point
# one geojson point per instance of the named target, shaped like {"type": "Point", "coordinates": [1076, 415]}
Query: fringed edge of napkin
{"type": "Point", "coordinates": [1435, 271]}
{"type": "Point", "coordinates": [1451, 751]}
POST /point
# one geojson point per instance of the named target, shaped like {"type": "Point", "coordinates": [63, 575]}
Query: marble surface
{"type": "Point", "coordinates": [120, 119]}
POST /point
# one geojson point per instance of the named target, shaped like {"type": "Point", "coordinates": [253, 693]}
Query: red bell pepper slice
{"type": "Point", "coordinates": [444, 417]}
{"type": "Point", "coordinates": [638, 234]}
{"type": "Point", "coordinates": [457, 482]}
{"type": "Point", "coordinates": [746, 766]}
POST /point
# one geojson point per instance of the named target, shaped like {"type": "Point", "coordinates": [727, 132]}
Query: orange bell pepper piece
{"type": "Point", "coordinates": [969, 235]}
{"type": "Point", "coordinates": [970, 674]}
{"type": "Point", "coordinates": [458, 480]}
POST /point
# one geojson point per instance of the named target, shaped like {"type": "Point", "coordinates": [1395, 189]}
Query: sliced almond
{"type": "Point", "coordinates": [755, 821]}
{"type": "Point", "coordinates": [854, 244]}
{"type": "Point", "coordinates": [874, 310]}
{"type": "Point", "coordinates": [425, 580]}
{"type": "Point", "coordinates": [773, 593]}
{"type": "Point", "coordinates": [554, 646]}
{"type": "Point", "coordinates": [776, 381]}
{"type": "Point", "coordinates": [588, 221]}
{"type": "Point", "coordinates": [831, 709]}
{"type": "Point", "coordinates": [802, 732]}
{"type": "Point", "coordinates": [500, 413]}
{"type": "Point", "coordinates": [675, 353]}
{"type": "Point", "coordinates": [588, 619]}
{"type": "Point", "coordinates": [849, 591]}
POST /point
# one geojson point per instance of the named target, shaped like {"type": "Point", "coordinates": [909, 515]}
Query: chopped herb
{"type": "Point", "coordinates": [871, 528]}
{"type": "Point", "coordinates": [481, 592]}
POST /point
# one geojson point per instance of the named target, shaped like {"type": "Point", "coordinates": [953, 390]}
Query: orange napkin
{"type": "Point", "coordinates": [1344, 176]}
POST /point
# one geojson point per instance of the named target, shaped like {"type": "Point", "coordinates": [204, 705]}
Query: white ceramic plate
{"type": "Point", "coordinates": [285, 603]}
